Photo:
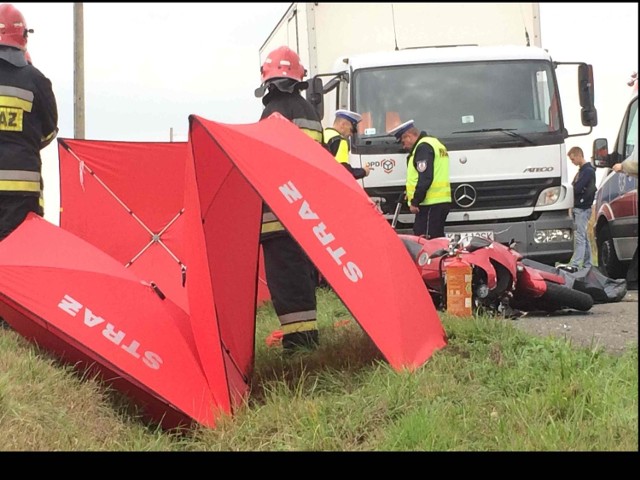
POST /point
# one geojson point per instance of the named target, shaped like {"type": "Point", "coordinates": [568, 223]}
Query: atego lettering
{"type": "Point", "coordinates": [74, 308]}
{"type": "Point", "coordinates": [325, 237]}
{"type": "Point", "coordinates": [538, 169]}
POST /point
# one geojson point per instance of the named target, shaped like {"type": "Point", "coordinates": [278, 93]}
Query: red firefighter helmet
{"type": "Point", "coordinates": [13, 27]}
{"type": "Point", "coordinates": [282, 63]}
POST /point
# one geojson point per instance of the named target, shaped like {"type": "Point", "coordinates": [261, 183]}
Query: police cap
{"type": "Point", "coordinates": [353, 117]}
{"type": "Point", "coordinates": [401, 129]}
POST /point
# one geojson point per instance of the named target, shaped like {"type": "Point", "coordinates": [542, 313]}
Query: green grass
{"type": "Point", "coordinates": [492, 388]}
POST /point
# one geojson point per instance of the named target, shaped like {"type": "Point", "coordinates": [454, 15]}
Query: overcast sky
{"type": "Point", "coordinates": [148, 66]}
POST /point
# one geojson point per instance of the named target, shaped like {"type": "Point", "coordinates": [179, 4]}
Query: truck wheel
{"type": "Point", "coordinates": [608, 262]}
{"type": "Point", "coordinates": [560, 296]}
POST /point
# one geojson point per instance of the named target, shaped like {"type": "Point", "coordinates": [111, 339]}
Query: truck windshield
{"type": "Point", "coordinates": [494, 102]}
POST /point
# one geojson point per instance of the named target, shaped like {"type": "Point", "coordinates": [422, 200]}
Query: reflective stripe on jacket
{"type": "Point", "coordinates": [270, 223]}
{"type": "Point", "coordinates": [313, 128]}
{"type": "Point", "coordinates": [19, 181]}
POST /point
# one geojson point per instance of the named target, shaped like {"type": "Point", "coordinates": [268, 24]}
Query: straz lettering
{"type": "Point", "coordinates": [109, 332]}
{"type": "Point", "coordinates": [326, 238]}
{"type": "Point", "coordinates": [10, 119]}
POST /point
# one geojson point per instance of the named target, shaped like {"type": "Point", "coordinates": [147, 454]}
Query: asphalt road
{"type": "Point", "coordinates": [613, 326]}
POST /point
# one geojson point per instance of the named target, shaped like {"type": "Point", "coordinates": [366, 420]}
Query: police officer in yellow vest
{"type": "Point", "coordinates": [428, 188]}
{"type": "Point", "coordinates": [336, 139]}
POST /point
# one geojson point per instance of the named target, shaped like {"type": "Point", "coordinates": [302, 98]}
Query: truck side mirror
{"type": "Point", "coordinates": [331, 84]}
{"type": "Point", "coordinates": [600, 156]}
{"type": "Point", "coordinates": [588, 115]}
{"type": "Point", "coordinates": [315, 95]}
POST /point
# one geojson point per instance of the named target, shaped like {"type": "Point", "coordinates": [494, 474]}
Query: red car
{"type": "Point", "coordinates": [616, 226]}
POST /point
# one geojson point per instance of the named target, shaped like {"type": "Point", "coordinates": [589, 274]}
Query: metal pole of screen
{"type": "Point", "coordinates": [397, 212]}
{"type": "Point", "coordinates": [78, 71]}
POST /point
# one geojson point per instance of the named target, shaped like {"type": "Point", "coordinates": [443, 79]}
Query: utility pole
{"type": "Point", "coordinates": [78, 71]}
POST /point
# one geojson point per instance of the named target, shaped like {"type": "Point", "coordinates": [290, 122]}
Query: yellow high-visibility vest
{"type": "Point", "coordinates": [342, 155]}
{"type": "Point", "coordinates": [440, 189]}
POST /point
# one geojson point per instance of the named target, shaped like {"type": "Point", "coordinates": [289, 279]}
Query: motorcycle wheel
{"type": "Point", "coordinates": [438, 300]}
{"type": "Point", "coordinates": [558, 297]}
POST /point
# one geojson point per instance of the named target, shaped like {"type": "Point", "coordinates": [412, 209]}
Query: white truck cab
{"type": "Point", "coordinates": [490, 96]}
{"type": "Point", "coordinates": [497, 110]}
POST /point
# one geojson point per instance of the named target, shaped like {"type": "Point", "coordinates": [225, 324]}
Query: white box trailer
{"type": "Point", "coordinates": [473, 75]}
{"type": "Point", "coordinates": [323, 32]}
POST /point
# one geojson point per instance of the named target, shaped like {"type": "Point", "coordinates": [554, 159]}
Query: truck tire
{"type": "Point", "coordinates": [608, 262]}
{"type": "Point", "coordinates": [558, 297]}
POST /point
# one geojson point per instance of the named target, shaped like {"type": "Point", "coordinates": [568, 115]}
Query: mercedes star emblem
{"type": "Point", "coordinates": [465, 195]}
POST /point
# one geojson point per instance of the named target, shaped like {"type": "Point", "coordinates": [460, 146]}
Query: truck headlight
{"type": "Point", "coordinates": [552, 235]}
{"type": "Point", "coordinates": [548, 196]}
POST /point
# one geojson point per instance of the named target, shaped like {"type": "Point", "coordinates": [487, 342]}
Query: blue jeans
{"type": "Point", "coordinates": [582, 249]}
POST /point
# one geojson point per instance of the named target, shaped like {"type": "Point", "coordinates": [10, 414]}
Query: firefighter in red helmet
{"type": "Point", "coordinates": [28, 123]}
{"type": "Point", "coordinates": [291, 277]}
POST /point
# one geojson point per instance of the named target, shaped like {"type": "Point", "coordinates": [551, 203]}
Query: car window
{"type": "Point", "coordinates": [628, 135]}
{"type": "Point", "coordinates": [617, 184]}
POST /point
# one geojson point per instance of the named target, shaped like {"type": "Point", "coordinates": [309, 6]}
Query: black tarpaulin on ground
{"type": "Point", "coordinates": [588, 280]}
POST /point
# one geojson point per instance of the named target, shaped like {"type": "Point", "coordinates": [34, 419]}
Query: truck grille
{"type": "Point", "coordinates": [495, 195]}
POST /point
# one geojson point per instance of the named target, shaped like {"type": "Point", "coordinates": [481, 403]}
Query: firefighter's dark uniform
{"type": "Point", "coordinates": [339, 148]}
{"type": "Point", "coordinates": [28, 123]}
{"type": "Point", "coordinates": [291, 277]}
{"type": "Point", "coordinates": [428, 186]}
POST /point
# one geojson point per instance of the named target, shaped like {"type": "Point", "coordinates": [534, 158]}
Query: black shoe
{"type": "Point", "coordinates": [293, 342]}
{"type": "Point", "coordinates": [567, 268]}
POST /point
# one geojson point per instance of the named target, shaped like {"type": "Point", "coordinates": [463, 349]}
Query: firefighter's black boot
{"type": "Point", "coordinates": [297, 341]}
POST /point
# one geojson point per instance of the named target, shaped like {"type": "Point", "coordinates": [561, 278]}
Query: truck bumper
{"type": "Point", "coordinates": [525, 233]}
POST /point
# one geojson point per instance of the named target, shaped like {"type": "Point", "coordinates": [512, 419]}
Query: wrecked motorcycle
{"type": "Point", "coordinates": [500, 282]}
